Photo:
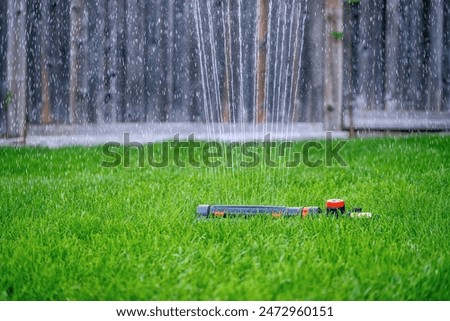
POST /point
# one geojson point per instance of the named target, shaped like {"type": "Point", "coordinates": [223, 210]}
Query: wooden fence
{"type": "Point", "coordinates": [397, 64]}
{"type": "Point", "coordinates": [381, 64]}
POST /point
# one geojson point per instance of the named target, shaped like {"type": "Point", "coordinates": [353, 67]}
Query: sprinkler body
{"type": "Point", "coordinates": [208, 211]}
{"type": "Point", "coordinates": [334, 207]}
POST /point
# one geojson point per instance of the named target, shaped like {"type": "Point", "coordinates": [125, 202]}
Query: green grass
{"type": "Point", "coordinates": [72, 230]}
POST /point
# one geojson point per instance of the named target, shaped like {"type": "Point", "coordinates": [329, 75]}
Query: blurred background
{"type": "Point", "coordinates": [381, 65]}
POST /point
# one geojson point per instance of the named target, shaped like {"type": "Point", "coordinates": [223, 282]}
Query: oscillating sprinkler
{"type": "Point", "coordinates": [334, 207]}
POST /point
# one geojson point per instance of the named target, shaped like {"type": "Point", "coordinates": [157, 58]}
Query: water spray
{"type": "Point", "coordinates": [334, 208]}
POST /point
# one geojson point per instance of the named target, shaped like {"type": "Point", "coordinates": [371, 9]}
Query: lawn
{"type": "Point", "coordinates": [71, 229]}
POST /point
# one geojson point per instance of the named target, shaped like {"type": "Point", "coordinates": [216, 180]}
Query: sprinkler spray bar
{"type": "Point", "coordinates": [334, 207]}
{"type": "Point", "coordinates": [207, 211]}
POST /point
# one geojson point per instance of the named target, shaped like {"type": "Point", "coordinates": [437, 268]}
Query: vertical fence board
{"type": "Point", "coordinates": [435, 28]}
{"type": "Point", "coordinates": [446, 59]}
{"type": "Point", "coordinates": [46, 107]}
{"type": "Point", "coordinates": [34, 18]}
{"type": "Point", "coordinates": [111, 68]}
{"type": "Point", "coordinates": [249, 33]}
{"type": "Point", "coordinates": [165, 24]}
{"type": "Point", "coordinates": [378, 34]}
{"type": "Point", "coordinates": [311, 92]}
{"type": "Point", "coordinates": [3, 63]}
{"type": "Point", "coordinates": [80, 68]}
{"type": "Point", "coordinates": [151, 60]}
{"type": "Point", "coordinates": [333, 65]}
{"type": "Point", "coordinates": [96, 59]}
{"type": "Point", "coordinates": [17, 67]}
{"type": "Point", "coordinates": [195, 100]}
{"type": "Point", "coordinates": [59, 59]}
{"type": "Point", "coordinates": [417, 58]}
{"type": "Point", "coordinates": [347, 77]}
{"type": "Point", "coordinates": [364, 57]}
{"type": "Point", "coordinates": [261, 60]}
{"type": "Point", "coordinates": [121, 60]}
{"type": "Point", "coordinates": [392, 93]}
{"type": "Point", "coordinates": [180, 62]}
{"type": "Point", "coordinates": [134, 92]}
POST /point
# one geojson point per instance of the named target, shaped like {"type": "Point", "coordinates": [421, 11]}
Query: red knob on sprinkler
{"type": "Point", "coordinates": [335, 206]}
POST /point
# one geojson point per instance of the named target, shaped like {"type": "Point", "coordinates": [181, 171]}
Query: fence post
{"type": "Point", "coordinates": [333, 65]}
{"type": "Point", "coordinates": [17, 67]}
{"type": "Point", "coordinates": [261, 63]}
